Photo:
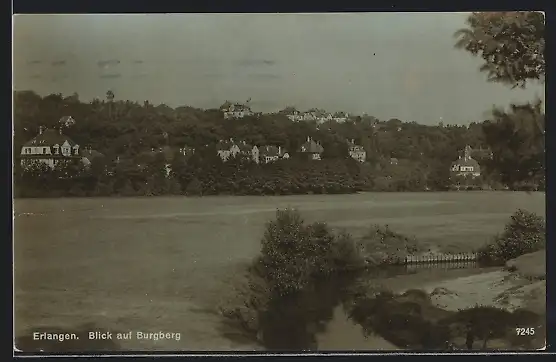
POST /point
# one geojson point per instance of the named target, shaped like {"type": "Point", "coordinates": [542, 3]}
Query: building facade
{"type": "Point", "coordinates": [357, 152]}
{"type": "Point", "coordinates": [312, 149]}
{"type": "Point", "coordinates": [49, 147]}
{"type": "Point", "coordinates": [465, 165]}
{"type": "Point", "coordinates": [236, 110]}
{"type": "Point", "coordinates": [230, 149]}
{"type": "Point", "coordinates": [270, 154]}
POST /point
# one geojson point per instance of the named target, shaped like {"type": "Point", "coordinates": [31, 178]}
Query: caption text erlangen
{"type": "Point", "coordinates": [96, 335]}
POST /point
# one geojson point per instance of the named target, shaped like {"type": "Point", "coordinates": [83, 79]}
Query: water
{"type": "Point", "coordinates": [164, 264]}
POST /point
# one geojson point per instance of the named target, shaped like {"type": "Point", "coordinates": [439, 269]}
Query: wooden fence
{"type": "Point", "coordinates": [441, 258]}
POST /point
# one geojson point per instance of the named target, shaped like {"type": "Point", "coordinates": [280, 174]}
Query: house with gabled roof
{"type": "Point", "coordinates": [251, 152]}
{"type": "Point", "coordinates": [236, 110]}
{"type": "Point", "coordinates": [227, 149]}
{"type": "Point", "coordinates": [357, 152]}
{"type": "Point", "coordinates": [341, 117]}
{"type": "Point", "coordinates": [465, 165]}
{"type": "Point", "coordinates": [272, 153]}
{"type": "Point", "coordinates": [49, 147]}
{"type": "Point", "coordinates": [312, 149]}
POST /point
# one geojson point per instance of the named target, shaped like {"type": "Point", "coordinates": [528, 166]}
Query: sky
{"type": "Point", "coordinates": [389, 65]}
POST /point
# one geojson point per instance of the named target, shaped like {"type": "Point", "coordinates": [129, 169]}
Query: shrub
{"type": "Point", "coordinates": [294, 253]}
{"type": "Point", "coordinates": [525, 233]}
{"type": "Point", "coordinates": [483, 322]}
{"type": "Point", "coordinates": [345, 254]}
{"type": "Point", "coordinates": [381, 245]}
{"type": "Point", "coordinates": [293, 285]}
{"type": "Point", "coordinates": [242, 311]}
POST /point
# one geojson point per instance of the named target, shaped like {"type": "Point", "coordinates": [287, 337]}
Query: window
{"type": "Point", "coordinates": [44, 150]}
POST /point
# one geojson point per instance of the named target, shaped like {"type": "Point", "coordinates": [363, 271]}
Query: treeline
{"type": "Point", "coordinates": [125, 133]}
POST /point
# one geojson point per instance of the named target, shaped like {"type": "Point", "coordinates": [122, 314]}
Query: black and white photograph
{"type": "Point", "coordinates": [279, 182]}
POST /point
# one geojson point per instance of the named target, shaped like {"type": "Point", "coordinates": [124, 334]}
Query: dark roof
{"type": "Point", "coordinates": [48, 138]}
{"type": "Point", "coordinates": [311, 146]}
{"type": "Point", "coordinates": [245, 147]}
{"type": "Point", "coordinates": [355, 147]}
{"type": "Point", "coordinates": [237, 107]}
{"type": "Point", "coordinates": [466, 162]}
{"type": "Point", "coordinates": [90, 154]}
{"type": "Point", "coordinates": [271, 151]}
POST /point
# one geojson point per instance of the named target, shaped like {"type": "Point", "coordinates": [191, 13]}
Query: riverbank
{"type": "Point", "coordinates": [521, 285]}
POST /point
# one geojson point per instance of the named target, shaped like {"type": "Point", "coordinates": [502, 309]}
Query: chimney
{"type": "Point", "coordinates": [40, 129]}
{"type": "Point", "coordinates": [60, 130]}
{"type": "Point", "coordinates": [308, 139]}
{"type": "Point", "coordinates": [280, 150]}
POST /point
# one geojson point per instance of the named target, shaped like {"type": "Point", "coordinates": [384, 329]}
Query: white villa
{"type": "Point", "coordinates": [272, 153]}
{"type": "Point", "coordinates": [236, 110]}
{"type": "Point", "coordinates": [465, 165]}
{"type": "Point", "coordinates": [320, 117]}
{"type": "Point", "coordinates": [357, 152]}
{"type": "Point", "coordinates": [49, 147]}
{"type": "Point", "coordinates": [229, 148]}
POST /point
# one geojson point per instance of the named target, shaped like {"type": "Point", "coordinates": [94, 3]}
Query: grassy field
{"type": "Point", "coordinates": [163, 264]}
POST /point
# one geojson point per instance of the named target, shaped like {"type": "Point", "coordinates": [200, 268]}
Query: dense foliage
{"type": "Point", "coordinates": [411, 321]}
{"type": "Point", "coordinates": [512, 45]}
{"type": "Point", "coordinates": [524, 233]}
{"type": "Point", "coordinates": [381, 245]}
{"type": "Point", "coordinates": [291, 288]}
{"type": "Point", "coordinates": [128, 131]}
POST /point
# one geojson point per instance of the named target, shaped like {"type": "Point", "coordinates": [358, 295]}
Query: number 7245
{"type": "Point", "coordinates": [525, 331]}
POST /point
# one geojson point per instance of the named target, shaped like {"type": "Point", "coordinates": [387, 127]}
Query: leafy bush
{"type": "Point", "coordinates": [242, 311]}
{"type": "Point", "coordinates": [525, 233]}
{"type": "Point", "coordinates": [381, 245]}
{"type": "Point", "coordinates": [481, 322]}
{"type": "Point", "coordinates": [293, 286]}
{"type": "Point", "coordinates": [294, 254]}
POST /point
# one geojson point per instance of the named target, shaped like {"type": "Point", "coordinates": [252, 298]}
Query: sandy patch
{"type": "Point", "coordinates": [531, 265]}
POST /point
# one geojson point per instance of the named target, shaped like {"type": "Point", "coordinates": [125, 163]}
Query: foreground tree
{"type": "Point", "coordinates": [511, 43]}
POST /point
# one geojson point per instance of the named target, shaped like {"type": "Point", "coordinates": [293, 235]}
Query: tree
{"type": "Point", "coordinates": [110, 98]}
{"type": "Point", "coordinates": [481, 322]}
{"type": "Point", "coordinates": [511, 43]}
